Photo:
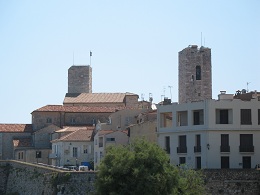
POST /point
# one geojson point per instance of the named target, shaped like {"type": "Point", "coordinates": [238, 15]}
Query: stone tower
{"type": "Point", "coordinates": [80, 79]}
{"type": "Point", "coordinates": [195, 80]}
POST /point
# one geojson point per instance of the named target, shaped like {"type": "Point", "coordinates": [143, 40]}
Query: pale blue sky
{"type": "Point", "coordinates": [135, 47]}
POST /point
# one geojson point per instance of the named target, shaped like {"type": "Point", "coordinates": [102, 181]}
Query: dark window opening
{"type": "Point", "coordinates": [38, 154]}
{"type": "Point", "coordinates": [167, 144]}
{"type": "Point", "coordinates": [224, 162]}
{"type": "Point", "coordinates": [198, 118]}
{"type": "Point", "coordinates": [198, 73]}
{"type": "Point", "coordinates": [223, 116]}
{"type": "Point", "coordinates": [246, 162]}
{"type": "Point", "coordinates": [246, 143]}
{"type": "Point", "coordinates": [197, 147]}
{"type": "Point", "coordinates": [182, 144]}
{"type": "Point", "coordinates": [246, 117]}
{"type": "Point", "coordinates": [198, 162]}
{"type": "Point", "coordinates": [182, 160]}
{"type": "Point", "coordinates": [224, 143]}
{"type": "Point", "coordinates": [258, 116]}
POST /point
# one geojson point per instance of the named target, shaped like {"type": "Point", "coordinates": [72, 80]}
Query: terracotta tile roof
{"type": "Point", "coordinates": [81, 134]}
{"type": "Point", "coordinates": [61, 108]}
{"type": "Point", "coordinates": [16, 128]}
{"type": "Point", "coordinates": [105, 132]}
{"type": "Point", "coordinates": [96, 97]}
{"type": "Point", "coordinates": [22, 142]}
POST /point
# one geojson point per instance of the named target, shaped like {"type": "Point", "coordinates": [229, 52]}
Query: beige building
{"type": "Point", "coordinates": [146, 127]}
{"type": "Point", "coordinates": [105, 138]}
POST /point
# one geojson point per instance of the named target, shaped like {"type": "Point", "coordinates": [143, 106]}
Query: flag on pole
{"type": "Point", "coordinates": [90, 53]}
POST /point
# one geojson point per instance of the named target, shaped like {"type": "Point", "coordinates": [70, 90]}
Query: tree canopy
{"type": "Point", "coordinates": [141, 168]}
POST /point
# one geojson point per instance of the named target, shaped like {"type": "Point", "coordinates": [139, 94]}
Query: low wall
{"type": "Point", "coordinates": [31, 179]}
{"type": "Point", "coordinates": [232, 181]}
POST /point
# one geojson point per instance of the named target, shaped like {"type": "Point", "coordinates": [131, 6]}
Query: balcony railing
{"type": "Point", "coordinates": [197, 148]}
{"type": "Point", "coordinates": [224, 148]}
{"type": "Point", "coordinates": [246, 148]}
{"type": "Point", "coordinates": [181, 149]}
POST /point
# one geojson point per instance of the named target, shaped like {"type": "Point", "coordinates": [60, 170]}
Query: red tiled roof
{"type": "Point", "coordinates": [96, 97]}
{"type": "Point", "coordinates": [61, 108]}
{"type": "Point", "coordinates": [105, 132]}
{"type": "Point", "coordinates": [16, 128]}
{"type": "Point", "coordinates": [81, 134]}
{"type": "Point", "coordinates": [22, 142]}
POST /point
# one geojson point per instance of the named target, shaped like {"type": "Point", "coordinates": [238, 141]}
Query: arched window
{"type": "Point", "coordinates": [198, 73]}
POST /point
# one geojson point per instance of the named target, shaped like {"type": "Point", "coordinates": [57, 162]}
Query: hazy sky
{"type": "Point", "coordinates": [135, 47]}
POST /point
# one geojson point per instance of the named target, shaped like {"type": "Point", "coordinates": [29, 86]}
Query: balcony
{"type": "Point", "coordinates": [181, 149]}
{"type": "Point", "coordinates": [224, 148]}
{"type": "Point", "coordinates": [197, 149]}
{"type": "Point", "coordinates": [246, 148]}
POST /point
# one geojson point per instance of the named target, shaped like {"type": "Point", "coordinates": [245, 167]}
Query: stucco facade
{"type": "Point", "coordinates": [217, 134]}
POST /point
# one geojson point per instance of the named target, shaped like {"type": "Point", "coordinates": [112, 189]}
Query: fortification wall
{"type": "Point", "coordinates": [30, 179]}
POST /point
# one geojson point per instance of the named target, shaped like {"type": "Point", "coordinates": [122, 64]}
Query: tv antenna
{"type": "Point", "coordinates": [171, 91]}
{"type": "Point", "coordinates": [247, 83]}
{"type": "Point", "coordinates": [90, 55]}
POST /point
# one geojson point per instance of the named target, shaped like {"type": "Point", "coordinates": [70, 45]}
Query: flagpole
{"type": "Point", "coordinates": [90, 54]}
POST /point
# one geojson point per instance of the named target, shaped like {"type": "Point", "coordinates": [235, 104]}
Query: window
{"type": "Point", "coordinates": [167, 144]}
{"type": "Point", "coordinates": [198, 73]}
{"type": "Point", "coordinates": [85, 149]}
{"type": "Point", "coordinates": [20, 155]}
{"type": "Point", "coordinates": [246, 162]}
{"type": "Point", "coordinates": [166, 119]}
{"type": "Point", "coordinates": [182, 119]}
{"type": "Point", "coordinates": [224, 143]}
{"type": "Point", "coordinates": [49, 120]}
{"type": "Point", "coordinates": [224, 116]}
{"type": "Point", "coordinates": [100, 141]}
{"type": "Point", "coordinates": [101, 155]}
{"type": "Point", "coordinates": [38, 154]}
{"type": "Point", "coordinates": [198, 117]}
{"type": "Point", "coordinates": [258, 116]}
{"type": "Point", "coordinates": [110, 139]}
{"type": "Point", "coordinates": [224, 162]}
{"type": "Point", "coordinates": [73, 121]}
{"type": "Point", "coordinates": [197, 147]}
{"type": "Point", "coordinates": [198, 162]}
{"type": "Point", "coordinates": [245, 116]}
{"type": "Point", "coordinates": [75, 152]}
{"type": "Point", "coordinates": [182, 144]}
{"type": "Point", "coordinates": [246, 143]}
{"type": "Point", "coordinates": [182, 160]}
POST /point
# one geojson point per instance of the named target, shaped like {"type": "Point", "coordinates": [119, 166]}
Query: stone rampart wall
{"type": "Point", "coordinates": [30, 179]}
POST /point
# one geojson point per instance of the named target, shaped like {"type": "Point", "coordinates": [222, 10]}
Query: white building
{"type": "Point", "coordinates": [72, 146]}
{"type": "Point", "coordinates": [221, 133]}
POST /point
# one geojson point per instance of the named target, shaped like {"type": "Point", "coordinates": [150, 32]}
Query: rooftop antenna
{"type": "Point", "coordinates": [90, 55]}
{"type": "Point", "coordinates": [201, 38]}
{"type": "Point", "coordinates": [150, 97]}
{"type": "Point", "coordinates": [247, 86]}
{"type": "Point", "coordinates": [171, 91]}
{"type": "Point", "coordinates": [142, 97]}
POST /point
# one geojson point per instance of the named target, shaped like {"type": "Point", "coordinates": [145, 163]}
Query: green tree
{"type": "Point", "coordinates": [140, 168]}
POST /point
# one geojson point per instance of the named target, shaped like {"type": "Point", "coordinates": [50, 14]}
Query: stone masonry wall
{"type": "Point", "coordinates": [30, 179]}
{"type": "Point", "coordinates": [232, 181]}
